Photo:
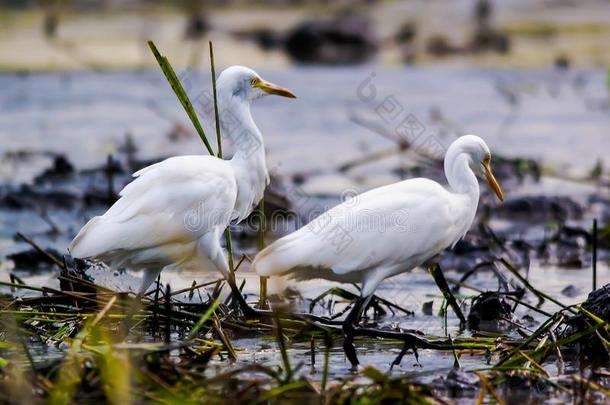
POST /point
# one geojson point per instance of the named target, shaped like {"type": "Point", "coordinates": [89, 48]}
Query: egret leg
{"type": "Point", "coordinates": [150, 275]}
{"type": "Point", "coordinates": [212, 249]}
{"type": "Point", "coordinates": [349, 328]}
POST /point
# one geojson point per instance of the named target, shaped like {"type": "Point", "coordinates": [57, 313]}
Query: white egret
{"type": "Point", "coordinates": [385, 231]}
{"type": "Point", "coordinates": [175, 211]}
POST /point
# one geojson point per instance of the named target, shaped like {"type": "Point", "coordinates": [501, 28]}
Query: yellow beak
{"type": "Point", "coordinates": [493, 183]}
{"type": "Point", "coordinates": [271, 88]}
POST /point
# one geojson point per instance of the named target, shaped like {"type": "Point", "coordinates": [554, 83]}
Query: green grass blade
{"type": "Point", "coordinates": [171, 77]}
{"type": "Point", "coordinates": [204, 318]}
{"type": "Point", "coordinates": [594, 317]}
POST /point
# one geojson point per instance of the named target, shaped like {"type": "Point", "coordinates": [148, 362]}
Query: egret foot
{"type": "Point", "coordinates": [380, 305]}
{"type": "Point", "coordinates": [406, 346]}
{"type": "Point", "coordinates": [348, 345]}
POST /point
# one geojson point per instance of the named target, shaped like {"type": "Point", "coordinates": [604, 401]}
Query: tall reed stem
{"type": "Point", "coordinates": [262, 224]}
{"type": "Point", "coordinates": [218, 141]}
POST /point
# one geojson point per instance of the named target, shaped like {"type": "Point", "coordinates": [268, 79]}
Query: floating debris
{"type": "Point", "coordinates": [489, 312]}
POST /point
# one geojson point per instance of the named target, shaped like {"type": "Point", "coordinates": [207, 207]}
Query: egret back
{"type": "Point", "coordinates": [174, 202]}
{"type": "Point", "coordinates": [401, 224]}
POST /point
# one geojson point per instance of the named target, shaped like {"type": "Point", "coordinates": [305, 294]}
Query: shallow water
{"type": "Point", "coordinates": [519, 113]}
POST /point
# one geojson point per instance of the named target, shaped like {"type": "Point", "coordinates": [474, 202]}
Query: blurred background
{"type": "Point", "coordinates": [383, 88]}
{"type": "Point", "coordinates": [111, 34]}
{"type": "Point", "coordinates": [521, 74]}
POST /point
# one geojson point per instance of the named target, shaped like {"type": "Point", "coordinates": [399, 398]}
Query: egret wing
{"type": "Point", "coordinates": [400, 223]}
{"type": "Point", "coordinates": [172, 202]}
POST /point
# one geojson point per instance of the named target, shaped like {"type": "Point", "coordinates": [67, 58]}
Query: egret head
{"type": "Point", "coordinates": [479, 154]}
{"type": "Point", "coordinates": [245, 83]}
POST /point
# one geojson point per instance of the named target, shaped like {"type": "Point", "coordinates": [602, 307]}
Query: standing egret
{"type": "Point", "coordinates": [175, 211]}
{"type": "Point", "coordinates": [385, 231]}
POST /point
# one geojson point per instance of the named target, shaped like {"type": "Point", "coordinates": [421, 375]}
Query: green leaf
{"type": "Point", "coordinates": [171, 77]}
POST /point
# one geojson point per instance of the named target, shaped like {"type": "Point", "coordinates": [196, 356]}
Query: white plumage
{"type": "Point", "coordinates": [388, 230]}
{"type": "Point", "coordinates": [174, 212]}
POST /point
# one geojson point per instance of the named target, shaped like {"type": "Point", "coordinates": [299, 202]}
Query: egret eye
{"type": "Point", "coordinates": [253, 81]}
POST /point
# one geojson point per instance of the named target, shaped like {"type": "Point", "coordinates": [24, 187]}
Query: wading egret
{"type": "Point", "coordinates": [175, 211]}
{"type": "Point", "coordinates": [385, 231]}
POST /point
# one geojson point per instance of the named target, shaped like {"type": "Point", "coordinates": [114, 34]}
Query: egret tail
{"type": "Point", "coordinates": [90, 240]}
{"type": "Point", "coordinates": [281, 256]}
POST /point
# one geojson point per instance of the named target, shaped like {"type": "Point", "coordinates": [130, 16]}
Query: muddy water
{"type": "Point", "coordinates": [341, 114]}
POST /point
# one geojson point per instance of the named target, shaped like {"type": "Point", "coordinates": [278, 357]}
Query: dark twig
{"type": "Point", "coordinates": [168, 310]}
{"type": "Point", "coordinates": [40, 250]}
{"type": "Point", "coordinates": [594, 253]}
{"type": "Point", "coordinates": [541, 296]}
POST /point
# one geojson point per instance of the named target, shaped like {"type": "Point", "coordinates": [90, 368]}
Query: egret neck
{"type": "Point", "coordinates": [462, 179]}
{"type": "Point", "coordinates": [248, 162]}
